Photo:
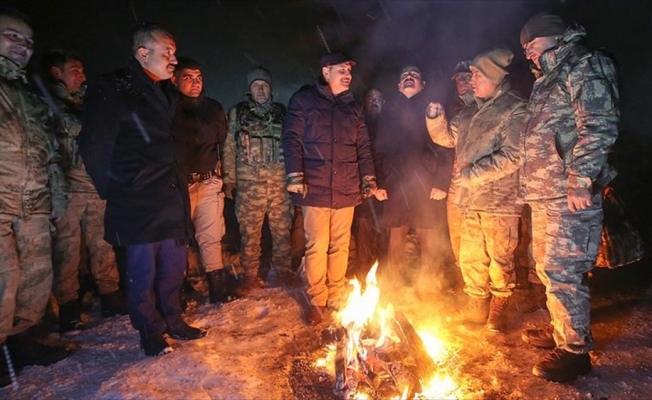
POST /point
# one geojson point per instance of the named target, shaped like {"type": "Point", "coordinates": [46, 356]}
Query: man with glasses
{"type": "Point", "coordinates": [571, 123]}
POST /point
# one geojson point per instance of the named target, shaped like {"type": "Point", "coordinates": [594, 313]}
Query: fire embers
{"type": "Point", "coordinates": [377, 353]}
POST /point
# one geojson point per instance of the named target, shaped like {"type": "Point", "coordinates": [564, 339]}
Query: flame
{"type": "Point", "coordinates": [360, 310]}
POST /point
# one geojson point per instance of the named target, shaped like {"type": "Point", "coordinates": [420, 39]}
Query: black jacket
{"type": "Point", "coordinates": [129, 151]}
{"type": "Point", "coordinates": [325, 137]}
{"type": "Point", "coordinates": [409, 164]}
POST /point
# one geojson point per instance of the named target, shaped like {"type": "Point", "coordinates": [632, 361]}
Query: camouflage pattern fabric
{"type": "Point", "coordinates": [571, 123]}
{"type": "Point", "coordinates": [487, 254]}
{"type": "Point", "coordinates": [565, 246]}
{"type": "Point", "coordinates": [25, 271]}
{"type": "Point", "coordinates": [84, 218]}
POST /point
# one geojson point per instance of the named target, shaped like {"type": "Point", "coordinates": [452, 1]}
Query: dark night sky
{"type": "Point", "coordinates": [230, 37]}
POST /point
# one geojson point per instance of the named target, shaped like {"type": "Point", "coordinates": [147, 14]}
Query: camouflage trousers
{"type": "Point", "coordinates": [207, 214]}
{"type": "Point", "coordinates": [25, 271]}
{"type": "Point", "coordinates": [455, 217]}
{"type": "Point", "coordinates": [82, 226]}
{"type": "Point", "coordinates": [487, 244]}
{"type": "Point", "coordinates": [565, 246]}
{"type": "Point", "coordinates": [253, 201]}
{"type": "Point", "coordinates": [328, 232]}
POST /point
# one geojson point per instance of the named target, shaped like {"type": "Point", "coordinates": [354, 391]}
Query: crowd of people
{"type": "Point", "coordinates": [130, 178]}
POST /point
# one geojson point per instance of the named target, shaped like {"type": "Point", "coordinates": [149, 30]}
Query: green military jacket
{"type": "Point", "coordinates": [31, 180]}
{"type": "Point", "coordinates": [252, 151]}
{"type": "Point", "coordinates": [571, 121]}
{"type": "Point", "coordinates": [68, 128]}
{"type": "Point", "coordinates": [487, 143]}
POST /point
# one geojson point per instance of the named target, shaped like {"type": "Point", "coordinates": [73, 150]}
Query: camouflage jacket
{"type": "Point", "coordinates": [571, 121]}
{"type": "Point", "coordinates": [487, 142]}
{"type": "Point", "coordinates": [67, 110]}
{"type": "Point", "coordinates": [31, 180]}
{"type": "Point", "coordinates": [253, 149]}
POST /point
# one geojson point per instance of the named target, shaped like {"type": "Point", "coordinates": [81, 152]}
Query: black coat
{"type": "Point", "coordinates": [325, 137]}
{"type": "Point", "coordinates": [409, 164]}
{"type": "Point", "coordinates": [129, 151]}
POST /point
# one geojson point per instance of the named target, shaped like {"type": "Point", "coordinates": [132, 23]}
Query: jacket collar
{"type": "Point", "coordinates": [325, 90]}
{"type": "Point", "coordinates": [10, 70]}
{"type": "Point", "coordinates": [553, 57]}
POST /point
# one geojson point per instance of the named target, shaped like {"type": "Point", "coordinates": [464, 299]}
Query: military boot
{"type": "Point", "coordinates": [542, 338]}
{"type": "Point", "coordinates": [217, 292]}
{"type": "Point", "coordinates": [251, 282]}
{"type": "Point", "coordinates": [562, 366]}
{"type": "Point", "coordinates": [70, 318]}
{"type": "Point", "coordinates": [497, 310]}
{"type": "Point", "coordinates": [474, 312]}
{"type": "Point", "coordinates": [112, 304]}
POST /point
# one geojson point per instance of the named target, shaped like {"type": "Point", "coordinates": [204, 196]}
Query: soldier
{"type": "Point", "coordinates": [129, 150]}
{"type": "Point", "coordinates": [486, 178]}
{"type": "Point", "coordinates": [32, 192]}
{"type": "Point", "coordinates": [83, 221]}
{"type": "Point", "coordinates": [200, 124]}
{"type": "Point", "coordinates": [329, 168]}
{"type": "Point", "coordinates": [571, 124]}
{"type": "Point", "coordinates": [253, 162]}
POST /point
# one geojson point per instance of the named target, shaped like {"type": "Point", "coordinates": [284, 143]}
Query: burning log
{"type": "Point", "coordinates": [425, 367]}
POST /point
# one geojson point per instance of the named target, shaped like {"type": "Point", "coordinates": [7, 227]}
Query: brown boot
{"type": "Point", "coordinates": [474, 312]}
{"type": "Point", "coordinates": [251, 282]}
{"type": "Point", "coordinates": [497, 310]}
{"type": "Point", "coordinates": [315, 315]}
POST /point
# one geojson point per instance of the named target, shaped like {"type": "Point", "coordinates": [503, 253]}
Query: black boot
{"type": "Point", "coordinates": [70, 318]}
{"type": "Point", "coordinates": [112, 304]}
{"type": "Point", "coordinates": [562, 366]}
{"type": "Point", "coordinates": [183, 331]}
{"type": "Point", "coordinates": [26, 349]}
{"type": "Point", "coordinates": [217, 292]}
{"type": "Point", "coordinates": [154, 345]}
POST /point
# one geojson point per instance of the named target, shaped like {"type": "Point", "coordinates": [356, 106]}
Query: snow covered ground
{"type": "Point", "coordinates": [260, 348]}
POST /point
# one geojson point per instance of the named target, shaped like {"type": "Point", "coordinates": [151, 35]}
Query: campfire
{"type": "Point", "coordinates": [375, 352]}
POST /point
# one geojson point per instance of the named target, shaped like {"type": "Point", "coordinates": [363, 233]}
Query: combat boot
{"type": "Point", "coordinates": [28, 350]}
{"type": "Point", "coordinates": [497, 310]}
{"type": "Point", "coordinates": [474, 312]}
{"type": "Point", "coordinates": [542, 338]}
{"type": "Point", "coordinates": [112, 304]}
{"type": "Point", "coordinates": [562, 366]}
{"type": "Point", "coordinates": [217, 292]}
{"type": "Point", "coordinates": [70, 318]}
{"type": "Point", "coordinates": [251, 282]}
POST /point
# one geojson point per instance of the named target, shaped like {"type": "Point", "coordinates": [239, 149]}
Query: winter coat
{"type": "Point", "coordinates": [68, 113]}
{"type": "Point", "coordinates": [410, 165]}
{"type": "Point", "coordinates": [129, 150]}
{"type": "Point", "coordinates": [253, 150]}
{"type": "Point", "coordinates": [488, 141]}
{"type": "Point", "coordinates": [571, 121]}
{"type": "Point", "coordinates": [200, 124]}
{"type": "Point", "coordinates": [31, 179]}
{"type": "Point", "coordinates": [325, 137]}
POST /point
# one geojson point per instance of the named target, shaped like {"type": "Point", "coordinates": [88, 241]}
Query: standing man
{"type": "Point", "coordinates": [413, 176]}
{"type": "Point", "coordinates": [129, 150]}
{"type": "Point", "coordinates": [32, 192]}
{"type": "Point", "coordinates": [83, 222]}
{"type": "Point", "coordinates": [486, 180]}
{"type": "Point", "coordinates": [570, 125]}
{"type": "Point", "coordinates": [329, 167]}
{"type": "Point", "coordinates": [253, 162]}
{"type": "Point", "coordinates": [200, 124]}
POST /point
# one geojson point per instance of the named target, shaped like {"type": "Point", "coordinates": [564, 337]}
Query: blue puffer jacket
{"type": "Point", "coordinates": [325, 137]}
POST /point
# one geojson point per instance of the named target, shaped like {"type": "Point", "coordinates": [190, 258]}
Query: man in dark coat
{"type": "Point", "coordinates": [413, 175]}
{"type": "Point", "coordinates": [329, 167]}
{"type": "Point", "coordinates": [128, 148]}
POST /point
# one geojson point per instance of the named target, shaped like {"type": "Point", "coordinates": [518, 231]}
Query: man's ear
{"type": "Point", "coordinates": [424, 83]}
{"type": "Point", "coordinates": [325, 71]}
{"type": "Point", "coordinates": [55, 72]}
{"type": "Point", "coordinates": [173, 79]}
{"type": "Point", "coordinates": [142, 53]}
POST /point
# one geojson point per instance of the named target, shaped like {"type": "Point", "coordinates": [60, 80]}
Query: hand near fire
{"type": "Point", "coordinates": [437, 194]}
{"type": "Point", "coordinates": [579, 199]}
{"type": "Point", "coordinates": [434, 110]}
{"type": "Point", "coordinates": [381, 195]}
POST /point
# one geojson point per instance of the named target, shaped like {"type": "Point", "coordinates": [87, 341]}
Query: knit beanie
{"type": "Point", "coordinates": [461, 67]}
{"type": "Point", "coordinates": [542, 25]}
{"type": "Point", "coordinates": [492, 63]}
{"type": "Point", "coordinates": [259, 74]}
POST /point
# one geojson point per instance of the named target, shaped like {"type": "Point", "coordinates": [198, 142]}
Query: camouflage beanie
{"type": "Point", "coordinates": [259, 74]}
{"type": "Point", "coordinates": [492, 63]}
{"type": "Point", "coordinates": [542, 25]}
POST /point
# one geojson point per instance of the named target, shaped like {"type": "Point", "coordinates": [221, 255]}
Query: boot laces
{"type": "Point", "coordinates": [556, 354]}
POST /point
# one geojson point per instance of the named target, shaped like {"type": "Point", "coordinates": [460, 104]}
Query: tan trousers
{"type": "Point", "coordinates": [328, 232]}
{"type": "Point", "coordinates": [207, 213]}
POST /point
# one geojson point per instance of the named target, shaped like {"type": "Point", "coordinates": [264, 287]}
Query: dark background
{"type": "Point", "coordinates": [230, 37]}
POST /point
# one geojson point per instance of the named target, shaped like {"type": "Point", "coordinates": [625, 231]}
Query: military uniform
{"type": "Point", "coordinates": [253, 160]}
{"type": "Point", "coordinates": [571, 123]}
{"type": "Point", "coordinates": [83, 221]}
{"type": "Point", "coordinates": [32, 187]}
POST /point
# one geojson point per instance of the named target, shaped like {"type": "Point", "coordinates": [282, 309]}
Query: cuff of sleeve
{"type": "Point", "coordinates": [577, 181]}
